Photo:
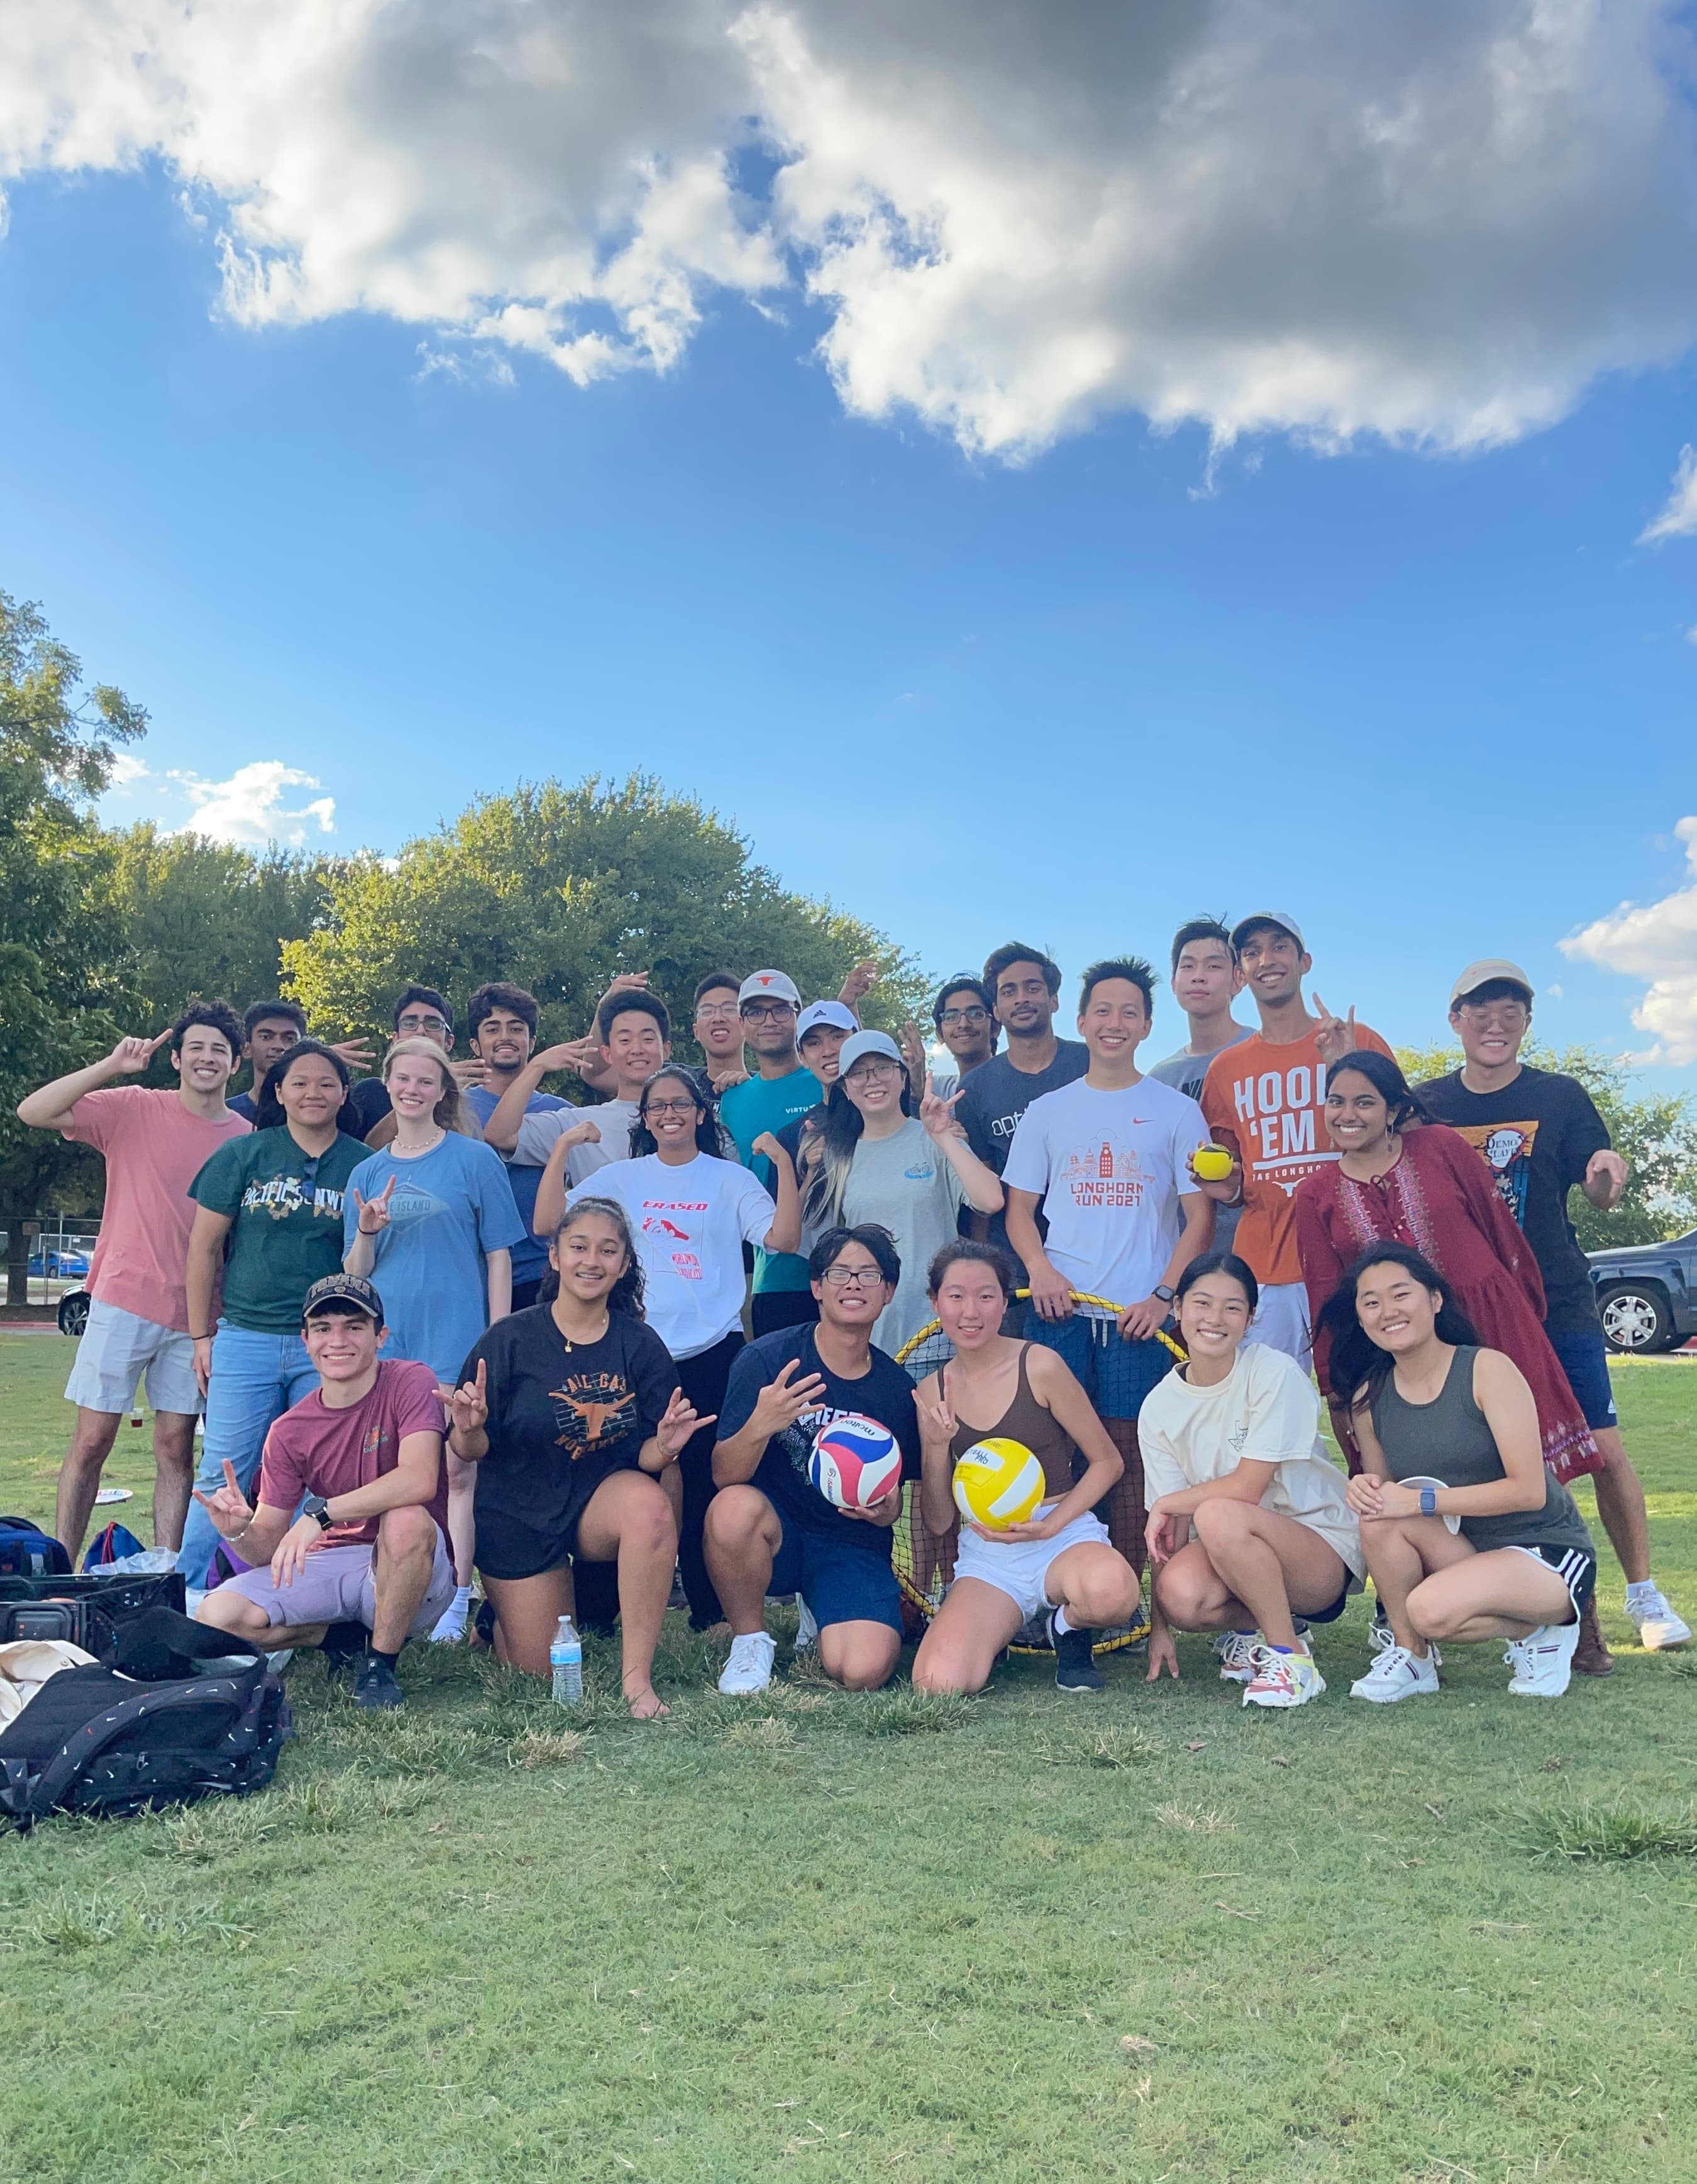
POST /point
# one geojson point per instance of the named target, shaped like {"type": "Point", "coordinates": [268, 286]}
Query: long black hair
{"type": "Point", "coordinates": [974, 1253]}
{"type": "Point", "coordinates": [1220, 1263]}
{"type": "Point", "coordinates": [626, 1294]}
{"type": "Point", "coordinates": [1405, 1105]}
{"type": "Point", "coordinates": [1358, 1367]}
{"type": "Point", "coordinates": [835, 1137]}
{"type": "Point", "coordinates": [268, 1109]}
{"type": "Point", "coordinates": [694, 1082]}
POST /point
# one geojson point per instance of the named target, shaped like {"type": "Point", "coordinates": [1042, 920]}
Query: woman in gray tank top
{"type": "Point", "coordinates": [1467, 1538]}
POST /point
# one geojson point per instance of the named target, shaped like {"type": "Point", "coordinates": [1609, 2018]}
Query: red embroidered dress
{"type": "Point", "coordinates": [1439, 1198]}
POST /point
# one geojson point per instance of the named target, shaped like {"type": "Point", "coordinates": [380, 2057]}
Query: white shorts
{"type": "Point", "coordinates": [1281, 1321]}
{"type": "Point", "coordinates": [1020, 1567]}
{"type": "Point", "coordinates": [119, 1350]}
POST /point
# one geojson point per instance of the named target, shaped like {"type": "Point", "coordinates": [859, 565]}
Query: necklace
{"type": "Point", "coordinates": [417, 1152]}
{"type": "Point", "coordinates": [599, 1335]}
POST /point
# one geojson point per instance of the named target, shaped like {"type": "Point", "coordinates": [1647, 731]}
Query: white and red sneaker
{"type": "Point", "coordinates": [1282, 1679]}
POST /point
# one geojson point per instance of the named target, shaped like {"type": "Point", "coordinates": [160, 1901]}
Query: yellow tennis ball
{"type": "Point", "coordinates": [1213, 1163]}
{"type": "Point", "coordinates": [998, 1483]}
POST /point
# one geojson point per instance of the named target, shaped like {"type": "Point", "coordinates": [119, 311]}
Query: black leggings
{"type": "Point", "coordinates": [596, 1585]}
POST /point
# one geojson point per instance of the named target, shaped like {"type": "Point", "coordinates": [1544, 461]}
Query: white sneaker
{"type": "Point", "coordinates": [1543, 1662]}
{"type": "Point", "coordinates": [1237, 1652]}
{"type": "Point", "coordinates": [1284, 1680]}
{"type": "Point", "coordinates": [1396, 1674]}
{"type": "Point", "coordinates": [1659, 1629]}
{"type": "Point", "coordinates": [1381, 1637]}
{"type": "Point", "coordinates": [806, 1629]}
{"type": "Point", "coordinates": [749, 1668]}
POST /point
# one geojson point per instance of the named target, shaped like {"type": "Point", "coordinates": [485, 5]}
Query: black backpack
{"type": "Point", "coordinates": [178, 1711]}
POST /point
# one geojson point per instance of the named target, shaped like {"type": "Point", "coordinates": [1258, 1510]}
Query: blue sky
{"type": "Point", "coordinates": [1437, 704]}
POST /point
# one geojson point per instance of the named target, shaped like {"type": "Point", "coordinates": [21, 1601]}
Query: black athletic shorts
{"type": "Point", "coordinates": [509, 1546]}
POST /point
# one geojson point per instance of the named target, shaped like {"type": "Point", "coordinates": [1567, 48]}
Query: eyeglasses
{"type": "Point", "coordinates": [668, 1107]}
{"type": "Point", "coordinates": [1508, 1013]}
{"type": "Point", "coordinates": [421, 1024]}
{"type": "Point", "coordinates": [873, 1072]}
{"type": "Point", "coordinates": [766, 1011]}
{"type": "Point", "coordinates": [717, 1012]}
{"type": "Point", "coordinates": [854, 1277]}
{"type": "Point", "coordinates": [972, 1015]}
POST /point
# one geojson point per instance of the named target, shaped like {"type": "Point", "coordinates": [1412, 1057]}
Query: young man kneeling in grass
{"type": "Point", "coordinates": [361, 1459]}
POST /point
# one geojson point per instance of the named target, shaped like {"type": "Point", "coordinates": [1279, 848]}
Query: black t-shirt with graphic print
{"type": "Point", "coordinates": [1536, 1137]}
{"type": "Point", "coordinates": [564, 1417]}
{"type": "Point", "coordinates": [883, 1393]}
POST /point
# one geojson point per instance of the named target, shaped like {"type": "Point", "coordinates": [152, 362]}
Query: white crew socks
{"type": "Point", "coordinates": [1060, 1625]}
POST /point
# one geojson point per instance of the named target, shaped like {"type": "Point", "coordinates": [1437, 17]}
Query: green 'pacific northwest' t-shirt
{"type": "Point", "coordinates": [285, 1221]}
{"type": "Point", "coordinates": [767, 1103]}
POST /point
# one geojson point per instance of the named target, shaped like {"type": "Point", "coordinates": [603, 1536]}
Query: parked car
{"type": "Point", "coordinates": [1647, 1295]}
{"type": "Point", "coordinates": [58, 1263]}
{"type": "Point", "coordinates": [73, 1312]}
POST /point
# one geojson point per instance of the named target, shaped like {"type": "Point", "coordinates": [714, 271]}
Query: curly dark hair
{"type": "Point", "coordinates": [216, 1016]}
{"type": "Point", "coordinates": [627, 1294]}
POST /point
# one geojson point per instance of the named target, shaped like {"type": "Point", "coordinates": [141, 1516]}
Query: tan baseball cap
{"type": "Point", "coordinates": [1484, 972]}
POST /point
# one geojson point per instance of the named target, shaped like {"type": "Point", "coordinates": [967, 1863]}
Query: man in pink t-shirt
{"type": "Point", "coordinates": [360, 1458]}
{"type": "Point", "coordinates": [155, 1143]}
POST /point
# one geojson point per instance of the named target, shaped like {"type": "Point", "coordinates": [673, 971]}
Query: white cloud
{"type": "Point", "coordinates": [248, 808]}
{"type": "Point", "coordinates": [1678, 518]}
{"type": "Point", "coordinates": [1655, 941]}
{"type": "Point", "coordinates": [1435, 221]}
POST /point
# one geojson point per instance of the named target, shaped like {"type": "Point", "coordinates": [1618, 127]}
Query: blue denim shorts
{"type": "Point", "coordinates": [1116, 1374]}
{"type": "Point", "coordinates": [1584, 1358]}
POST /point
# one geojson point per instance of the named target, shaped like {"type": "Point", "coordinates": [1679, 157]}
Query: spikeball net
{"type": "Point", "coordinates": [924, 1560]}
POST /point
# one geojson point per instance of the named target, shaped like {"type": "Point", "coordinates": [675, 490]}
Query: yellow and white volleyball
{"type": "Point", "coordinates": [998, 1483]}
{"type": "Point", "coordinates": [1212, 1163]}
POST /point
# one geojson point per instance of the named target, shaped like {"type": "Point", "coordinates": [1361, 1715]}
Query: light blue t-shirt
{"type": "Point", "coordinates": [746, 1111]}
{"type": "Point", "coordinates": [450, 1207]}
{"type": "Point", "coordinates": [530, 1258]}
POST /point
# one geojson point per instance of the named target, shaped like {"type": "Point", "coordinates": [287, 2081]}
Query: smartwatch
{"type": "Point", "coordinates": [1428, 1500]}
{"type": "Point", "coordinates": [314, 1505]}
{"type": "Point", "coordinates": [1163, 1292]}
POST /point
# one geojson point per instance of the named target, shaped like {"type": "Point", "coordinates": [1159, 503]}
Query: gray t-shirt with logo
{"type": "Point", "coordinates": [1185, 1070]}
{"type": "Point", "coordinates": [907, 1185]}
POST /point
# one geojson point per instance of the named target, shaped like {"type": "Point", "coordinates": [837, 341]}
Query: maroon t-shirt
{"type": "Point", "coordinates": [315, 1449]}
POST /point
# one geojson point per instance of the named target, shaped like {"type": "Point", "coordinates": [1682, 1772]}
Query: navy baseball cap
{"type": "Point", "coordinates": [346, 1288]}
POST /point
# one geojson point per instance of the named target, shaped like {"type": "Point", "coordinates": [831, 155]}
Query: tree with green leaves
{"type": "Point", "coordinates": [1654, 1132]}
{"type": "Point", "coordinates": [561, 888]}
{"type": "Point", "coordinates": [62, 994]}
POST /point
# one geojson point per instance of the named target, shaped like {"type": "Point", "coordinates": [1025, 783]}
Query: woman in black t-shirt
{"type": "Point", "coordinates": [572, 1413]}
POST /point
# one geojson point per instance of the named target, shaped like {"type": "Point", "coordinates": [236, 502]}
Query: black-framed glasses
{"type": "Point", "coordinates": [975, 1015]}
{"type": "Point", "coordinates": [766, 1011]}
{"type": "Point", "coordinates": [410, 1027]}
{"type": "Point", "coordinates": [854, 1277]}
{"type": "Point", "coordinates": [668, 1107]}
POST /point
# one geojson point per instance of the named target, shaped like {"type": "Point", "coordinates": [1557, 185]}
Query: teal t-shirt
{"type": "Point", "coordinates": [768, 1103]}
{"type": "Point", "coordinates": [285, 1221]}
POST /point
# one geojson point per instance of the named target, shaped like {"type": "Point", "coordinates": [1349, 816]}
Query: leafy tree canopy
{"type": "Point", "coordinates": [560, 888]}
{"type": "Point", "coordinates": [1655, 1132]}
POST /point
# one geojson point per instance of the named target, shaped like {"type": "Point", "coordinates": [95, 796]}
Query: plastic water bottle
{"type": "Point", "coordinates": [565, 1659]}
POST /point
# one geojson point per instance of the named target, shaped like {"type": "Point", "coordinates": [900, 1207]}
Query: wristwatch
{"type": "Point", "coordinates": [314, 1505]}
{"type": "Point", "coordinates": [1428, 1500]}
{"type": "Point", "coordinates": [1163, 1292]}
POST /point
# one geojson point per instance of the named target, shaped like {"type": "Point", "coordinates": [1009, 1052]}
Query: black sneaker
{"type": "Point", "coordinates": [343, 1647]}
{"type": "Point", "coordinates": [376, 1687]}
{"type": "Point", "coordinates": [1075, 1662]}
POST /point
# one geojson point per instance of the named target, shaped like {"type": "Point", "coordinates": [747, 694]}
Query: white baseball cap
{"type": "Point", "coordinates": [768, 986]}
{"type": "Point", "coordinates": [864, 1043]}
{"type": "Point", "coordinates": [1281, 918]}
{"type": "Point", "coordinates": [837, 1014]}
{"type": "Point", "coordinates": [1488, 970]}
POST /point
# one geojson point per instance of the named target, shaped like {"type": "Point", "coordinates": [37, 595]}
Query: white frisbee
{"type": "Point", "coordinates": [1450, 1523]}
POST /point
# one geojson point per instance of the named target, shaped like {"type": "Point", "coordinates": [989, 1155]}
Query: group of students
{"type": "Point", "coordinates": [440, 1320]}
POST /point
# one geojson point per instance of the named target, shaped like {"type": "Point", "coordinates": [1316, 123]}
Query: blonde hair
{"type": "Point", "coordinates": [450, 1111]}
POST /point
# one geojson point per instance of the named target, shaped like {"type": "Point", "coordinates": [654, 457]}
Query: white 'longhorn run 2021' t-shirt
{"type": "Point", "coordinates": [1110, 1167]}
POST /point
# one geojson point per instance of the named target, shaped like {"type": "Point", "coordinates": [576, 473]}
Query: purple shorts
{"type": "Point", "coordinates": [338, 1586]}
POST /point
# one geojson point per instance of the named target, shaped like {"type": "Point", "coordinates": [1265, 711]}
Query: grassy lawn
{"type": "Point", "coordinates": [1152, 1936]}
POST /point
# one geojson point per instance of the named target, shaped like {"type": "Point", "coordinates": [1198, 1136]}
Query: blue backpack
{"type": "Point", "coordinates": [26, 1551]}
{"type": "Point", "coordinates": [111, 1546]}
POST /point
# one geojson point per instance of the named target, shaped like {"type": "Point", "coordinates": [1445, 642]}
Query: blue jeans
{"type": "Point", "coordinates": [255, 1379]}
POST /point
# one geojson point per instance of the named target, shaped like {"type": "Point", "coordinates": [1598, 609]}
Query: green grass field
{"type": "Point", "coordinates": [1151, 1937]}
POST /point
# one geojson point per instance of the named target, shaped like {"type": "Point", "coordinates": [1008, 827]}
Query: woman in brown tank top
{"type": "Point", "coordinates": [1060, 1559]}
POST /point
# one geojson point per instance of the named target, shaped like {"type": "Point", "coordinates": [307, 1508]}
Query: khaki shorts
{"type": "Point", "coordinates": [337, 1585]}
{"type": "Point", "coordinates": [119, 1349]}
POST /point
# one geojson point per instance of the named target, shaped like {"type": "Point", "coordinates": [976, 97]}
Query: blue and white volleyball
{"type": "Point", "coordinates": [855, 1460]}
